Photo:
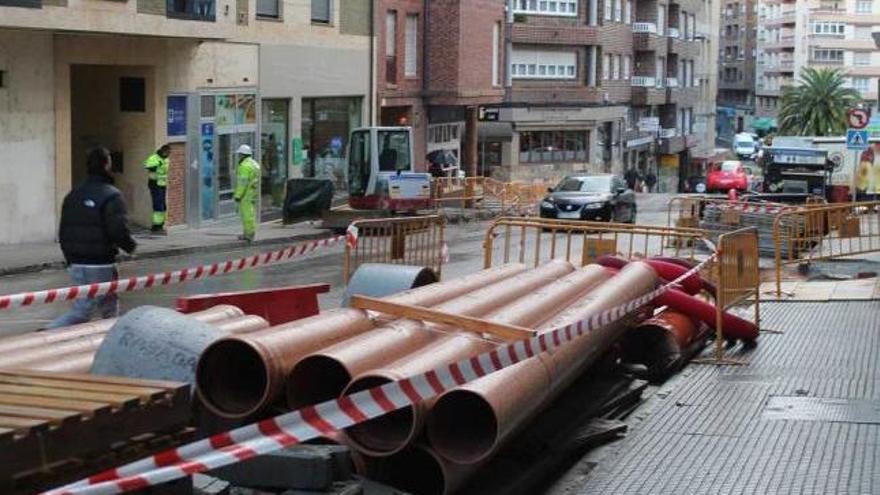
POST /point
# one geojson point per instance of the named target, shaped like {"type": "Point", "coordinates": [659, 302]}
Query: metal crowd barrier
{"type": "Point", "coordinates": [535, 240]}
{"type": "Point", "coordinates": [484, 193]}
{"type": "Point", "coordinates": [823, 232]}
{"type": "Point", "coordinates": [405, 241]}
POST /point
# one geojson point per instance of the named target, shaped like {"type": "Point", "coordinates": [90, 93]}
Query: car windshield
{"type": "Point", "coordinates": [729, 166]}
{"type": "Point", "coordinates": [744, 141]}
{"type": "Point", "coordinates": [585, 184]}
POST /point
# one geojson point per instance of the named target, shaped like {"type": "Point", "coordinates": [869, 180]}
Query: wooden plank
{"type": "Point", "coordinates": [85, 377]}
{"type": "Point", "coordinates": [86, 407]}
{"type": "Point", "coordinates": [23, 425]}
{"type": "Point", "coordinates": [55, 416]}
{"type": "Point", "coordinates": [506, 332]}
{"type": "Point", "coordinates": [117, 400]}
{"type": "Point", "coordinates": [142, 392]}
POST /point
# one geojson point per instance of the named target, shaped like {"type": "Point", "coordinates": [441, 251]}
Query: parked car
{"type": "Point", "coordinates": [744, 145]}
{"type": "Point", "coordinates": [604, 198]}
{"type": "Point", "coordinates": [727, 175]}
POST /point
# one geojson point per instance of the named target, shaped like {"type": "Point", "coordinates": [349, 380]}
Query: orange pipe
{"type": "Point", "coordinates": [392, 432]}
{"type": "Point", "coordinates": [419, 469]}
{"type": "Point", "coordinates": [67, 363]}
{"type": "Point", "coordinates": [468, 424]}
{"type": "Point", "coordinates": [324, 374]}
{"type": "Point", "coordinates": [242, 324]}
{"type": "Point", "coordinates": [240, 375]}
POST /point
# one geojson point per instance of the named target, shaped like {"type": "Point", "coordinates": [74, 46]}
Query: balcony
{"type": "Point", "coordinates": [672, 144]}
{"type": "Point", "coordinates": [194, 11]}
{"type": "Point", "coordinates": [786, 17]}
{"type": "Point", "coordinates": [643, 82]}
{"type": "Point", "coordinates": [667, 133]}
{"type": "Point", "coordinates": [673, 33]}
{"type": "Point", "coordinates": [671, 82]}
{"type": "Point", "coordinates": [825, 62]}
{"type": "Point", "coordinates": [783, 43]}
{"type": "Point", "coordinates": [648, 95]}
{"type": "Point", "coordinates": [644, 27]}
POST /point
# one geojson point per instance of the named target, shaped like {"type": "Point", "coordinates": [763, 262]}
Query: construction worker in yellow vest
{"type": "Point", "coordinates": [157, 174]}
{"type": "Point", "coordinates": [247, 191]}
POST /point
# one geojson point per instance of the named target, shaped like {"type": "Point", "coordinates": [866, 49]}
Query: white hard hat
{"type": "Point", "coordinates": [244, 150]}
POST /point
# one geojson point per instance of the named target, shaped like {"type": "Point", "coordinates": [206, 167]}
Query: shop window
{"type": "Point", "coordinates": [274, 150]}
{"type": "Point", "coordinates": [326, 124]}
{"type": "Point", "coordinates": [132, 94]}
{"type": "Point", "coordinates": [197, 10]}
{"type": "Point", "coordinates": [553, 146]}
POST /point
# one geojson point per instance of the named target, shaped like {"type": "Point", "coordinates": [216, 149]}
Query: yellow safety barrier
{"type": "Point", "coordinates": [536, 240]}
{"type": "Point", "coordinates": [823, 232]}
{"type": "Point", "coordinates": [483, 193]}
{"type": "Point", "coordinates": [687, 210]}
{"type": "Point", "coordinates": [406, 241]}
{"type": "Point", "coordinates": [737, 277]}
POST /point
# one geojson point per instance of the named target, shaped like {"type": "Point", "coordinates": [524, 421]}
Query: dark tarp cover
{"type": "Point", "coordinates": [307, 198]}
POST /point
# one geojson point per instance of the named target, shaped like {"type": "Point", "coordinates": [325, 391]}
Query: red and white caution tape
{"type": "Point", "coordinates": [90, 291]}
{"type": "Point", "coordinates": [313, 421]}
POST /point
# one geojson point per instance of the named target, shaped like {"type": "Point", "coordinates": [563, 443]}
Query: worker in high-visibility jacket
{"type": "Point", "coordinates": [157, 175]}
{"type": "Point", "coordinates": [247, 191]}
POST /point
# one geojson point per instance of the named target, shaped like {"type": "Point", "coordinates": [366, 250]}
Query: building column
{"type": "Point", "coordinates": [594, 61]}
{"type": "Point", "coordinates": [594, 13]}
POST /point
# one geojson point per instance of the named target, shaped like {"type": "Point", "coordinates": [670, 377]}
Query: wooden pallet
{"type": "Point", "coordinates": [50, 420]}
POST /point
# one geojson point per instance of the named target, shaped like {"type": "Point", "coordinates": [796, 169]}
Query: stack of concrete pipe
{"type": "Point", "coordinates": [72, 349]}
{"type": "Point", "coordinates": [431, 447]}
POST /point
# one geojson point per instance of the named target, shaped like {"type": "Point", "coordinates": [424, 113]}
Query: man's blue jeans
{"type": "Point", "coordinates": [107, 306]}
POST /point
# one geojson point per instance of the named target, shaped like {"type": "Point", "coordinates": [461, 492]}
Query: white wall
{"type": "Point", "coordinates": [27, 138]}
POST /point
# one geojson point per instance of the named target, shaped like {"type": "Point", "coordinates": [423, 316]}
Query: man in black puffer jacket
{"type": "Point", "coordinates": [93, 229]}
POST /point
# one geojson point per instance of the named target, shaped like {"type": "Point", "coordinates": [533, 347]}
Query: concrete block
{"type": "Point", "coordinates": [208, 485]}
{"type": "Point", "coordinates": [338, 488]}
{"type": "Point", "coordinates": [303, 467]}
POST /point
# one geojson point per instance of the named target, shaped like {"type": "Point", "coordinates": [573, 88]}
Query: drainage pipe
{"type": "Point", "coordinates": [393, 432]}
{"type": "Point", "coordinates": [468, 424]}
{"type": "Point", "coordinates": [240, 375]}
{"type": "Point", "coordinates": [733, 327]}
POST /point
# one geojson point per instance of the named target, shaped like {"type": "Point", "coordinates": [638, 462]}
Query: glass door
{"type": "Point", "coordinates": [227, 165]}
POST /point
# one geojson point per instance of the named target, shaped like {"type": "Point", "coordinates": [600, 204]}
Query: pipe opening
{"type": "Point", "coordinates": [232, 378]}
{"type": "Point", "coordinates": [653, 346]}
{"type": "Point", "coordinates": [386, 433]}
{"type": "Point", "coordinates": [413, 471]}
{"type": "Point", "coordinates": [314, 380]}
{"type": "Point", "coordinates": [462, 427]}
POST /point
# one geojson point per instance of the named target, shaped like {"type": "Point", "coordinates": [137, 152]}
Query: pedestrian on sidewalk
{"type": "Point", "coordinates": [650, 180]}
{"type": "Point", "coordinates": [632, 178]}
{"type": "Point", "coordinates": [93, 229]}
{"type": "Point", "coordinates": [157, 170]}
{"type": "Point", "coordinates": [247, 191]}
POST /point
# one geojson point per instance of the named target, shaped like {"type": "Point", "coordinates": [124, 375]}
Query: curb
{"type": "Point", "coordinates": [123, 258]}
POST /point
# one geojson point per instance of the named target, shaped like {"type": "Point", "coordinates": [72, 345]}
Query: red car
{"type": "Point", "coordinates": [727, 175]}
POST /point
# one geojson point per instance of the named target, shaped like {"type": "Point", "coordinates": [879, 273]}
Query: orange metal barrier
{"type": "Point", "coordinates": [823, 232]}
{"type": "Point", "coordinates": [535, 240]}
{"type": "Point", "coordinates": [483, 193]}
{"type": "Point", "coordinates": [405, 241]}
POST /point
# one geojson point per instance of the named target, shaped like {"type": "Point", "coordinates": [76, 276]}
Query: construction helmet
{"type": "Point", "coordinates": [244, 150]}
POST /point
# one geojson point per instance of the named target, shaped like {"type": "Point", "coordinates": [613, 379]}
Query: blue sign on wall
{"type": "Point", "coordinates": [176, 116]}
{"type": "Point", "coordinates": [206, 160]}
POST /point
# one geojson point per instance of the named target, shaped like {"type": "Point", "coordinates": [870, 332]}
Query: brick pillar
{"type": "Point", "coordinates": [176, 195]}
{"type": "Point", "coordinates": [470, 150]}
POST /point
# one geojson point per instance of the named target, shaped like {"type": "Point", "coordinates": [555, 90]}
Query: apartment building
{"type": "Point", "coordinates": [793, 35]}
{"type": "Point", "coordinates": [604, 85]}
{"type": "Point", "coordinates": [289, 78]}
{"type": "Point", "coordinates": [736, 66]}
{"type": "Point", "coordinates": [439, 63]}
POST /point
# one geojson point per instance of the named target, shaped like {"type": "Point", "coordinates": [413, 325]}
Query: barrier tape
{"type": "Point", "coordinates": [98, 289]}
{"type": "Point", "coordinates": [313, 421]}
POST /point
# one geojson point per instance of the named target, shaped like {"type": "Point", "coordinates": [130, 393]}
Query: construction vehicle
{"type": "Point", "coordinates": [381, 178]}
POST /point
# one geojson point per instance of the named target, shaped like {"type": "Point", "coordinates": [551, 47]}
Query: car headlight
{"type": "Point", "coordinates": [547, 204]}
{"type": "Point", "coordinates": [593, 206]}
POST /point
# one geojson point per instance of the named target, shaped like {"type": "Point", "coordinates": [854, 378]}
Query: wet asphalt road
{"type": "Point", "coordinates": [465, 249]}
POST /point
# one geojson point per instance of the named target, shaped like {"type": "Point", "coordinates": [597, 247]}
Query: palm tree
{"type": "Point", "coordinates": [817, 106]}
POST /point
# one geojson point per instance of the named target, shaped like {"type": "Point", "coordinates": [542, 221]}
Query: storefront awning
{"type": "Point", "coordinates": [495, 131]}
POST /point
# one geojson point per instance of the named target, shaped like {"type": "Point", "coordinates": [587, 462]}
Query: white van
{"type": "Point", "coordinates": [744, 145]}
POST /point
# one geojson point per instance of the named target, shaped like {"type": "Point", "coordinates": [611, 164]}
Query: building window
{"type": "Point", "coordinates": [411, 48]}
{"type": "Point", "coordinates": [627, 66]}
{"type": "Point", "coordinates": [864, 6]}
{"type": "Point", "coordinates": [861, 83]}
{"type": "Point", "coordinates": [618, 66]}
{"type": "Point", "coordinates": [627, 13]}
{"type": "Point", "coordinates": [660, 71]}
{"type": "Point", "coordinates": [826, 55]}
{"type": "Point", "coordinates": [391, 47]}
{"type": "Point", "coordinates": [268, 9]}
{"type": "Point", "coordinates": [661, 20]}
{"type": "Point", "coordinates": [553, 146]}
{"type": "Point", "coordinates": [496, 42]}
{"type": "Point", "coordinates": [545, 7]}
{"type": "Point", "coordinates": [617, 10]}
{"type": "Point", "coordinates": [534, 64]}
{"type": "Point", "coordinates": [608, 9]}
{"type": "Point", "coordinates": [692, 77]}
{"type": "Point", "coordinates": [132, 94]}
{"type": "Point", "coordinates": [829, 28]}
{"type": "Point", "coordinates": [197, 10]}
{"type": "Point", "coordinates": [862, 58]}
{"type": "Point", "coordinates": [321, 11]}
{"type": "Point", "coordinates": [606, 67]}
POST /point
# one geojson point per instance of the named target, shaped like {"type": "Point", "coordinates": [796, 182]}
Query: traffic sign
{"type": "Point", "coordinates": [856, 139]}
{"type": "Point", "coordinates": [857, 118]}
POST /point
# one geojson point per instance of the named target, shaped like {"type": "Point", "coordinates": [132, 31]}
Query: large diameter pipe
{"type": "Point", "coordinates": [239, 376]}
{"type": "Point", "coordinates": [69, 363]}
{"type": "Point", "coordinates": [392, 432]}
{"type": "Point", "coordinates": [31, 356]}
{"type": "Point", "coordinates": [420, 470]}
{"type": "Point", "coordinates": [51, 337]}
{"type": "Point", "coordinates": [241, 324]}
{"type": "Point", "coordinates": [733, 327]}
{"type": "Point", "coordinates": [468, 424]}
{"type": "Point", "coordinates": [324, 374]}
{"type": "Point", "coordinates": [661, 342]}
